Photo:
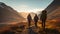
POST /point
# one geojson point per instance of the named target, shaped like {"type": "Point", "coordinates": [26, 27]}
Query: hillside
{"type": "Point", "coordinates": [8, 14]}
{"type": "Point", "coordinates": [55, 14]}
{"type": "Point", "coordinates": [53, 10]}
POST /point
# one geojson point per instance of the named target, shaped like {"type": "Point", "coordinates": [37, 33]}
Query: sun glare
{"type": "Point", "coordinates": [26, 8]}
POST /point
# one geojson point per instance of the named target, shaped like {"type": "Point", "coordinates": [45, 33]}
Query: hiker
{"type": "Point", "coordinates": [35, 20]}
{"type": "Point", "coordinates": [29, 18]}
{"type": "Point", "coordinates": [43, 18]}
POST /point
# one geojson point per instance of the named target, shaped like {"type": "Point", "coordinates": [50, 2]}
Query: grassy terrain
{"type": "Point", "coordinates": [22, 28]}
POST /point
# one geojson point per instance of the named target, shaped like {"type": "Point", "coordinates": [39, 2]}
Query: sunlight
{"type": "Point", "coordinates": [29, 10]}
{"type": "Point", "coordinates": [26, 8]}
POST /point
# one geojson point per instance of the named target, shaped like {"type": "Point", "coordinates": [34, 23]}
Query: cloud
{"type": "Point", "coordinates": [26, 8]}
{"type": "Point", "coordinates": [36, 10]}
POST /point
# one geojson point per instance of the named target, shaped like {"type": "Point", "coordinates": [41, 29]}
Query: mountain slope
{"type": "Point", "coordinates": [8, 14]}
{"type": "Point", "coordinates": [55, 14]}
{"type": "Point", "coordinates": [53, 10]}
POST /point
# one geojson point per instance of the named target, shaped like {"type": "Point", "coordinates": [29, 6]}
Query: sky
{"type": "Point", "coordinates": [27, 5]}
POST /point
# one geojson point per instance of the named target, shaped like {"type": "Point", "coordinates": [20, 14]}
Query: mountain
{"type": "Point", "coordinates": [55, 14]}
{"type": "Point", "coordinates": [25, 14]}
{"type": "Point", "coordinates": [8, 14]}
{"type": "Point", "coordinates": [32, 14]}
{"type": "Point", "coordinates": [53, 10]}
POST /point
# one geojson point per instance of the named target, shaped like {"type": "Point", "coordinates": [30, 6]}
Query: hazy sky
{"type": "Point", "coordinates": [27, 5]}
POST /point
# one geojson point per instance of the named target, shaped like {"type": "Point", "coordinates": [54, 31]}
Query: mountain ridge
{"type": "Point", "coordinates": [9, 14]}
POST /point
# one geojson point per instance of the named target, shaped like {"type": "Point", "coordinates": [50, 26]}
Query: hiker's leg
{"type": "Point", "coordinates": [29, 24]}
{"type": "Point", "coordinates": [44, 26]}
{"type": "Point", "coordinates": [35, 24]}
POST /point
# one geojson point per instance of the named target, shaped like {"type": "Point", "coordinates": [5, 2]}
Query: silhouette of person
{"type": "Point", "coordinates": [36, 19]}
{"type": "Point", "coordinates": [43, 18]}
{"type": "Point", "coordinates": [29, 18]}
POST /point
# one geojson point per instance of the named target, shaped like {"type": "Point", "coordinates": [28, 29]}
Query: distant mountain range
{"type": "Point", "coordinates": [25, 14]}
{"type": "Point", "coordinates": [8, 14]}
